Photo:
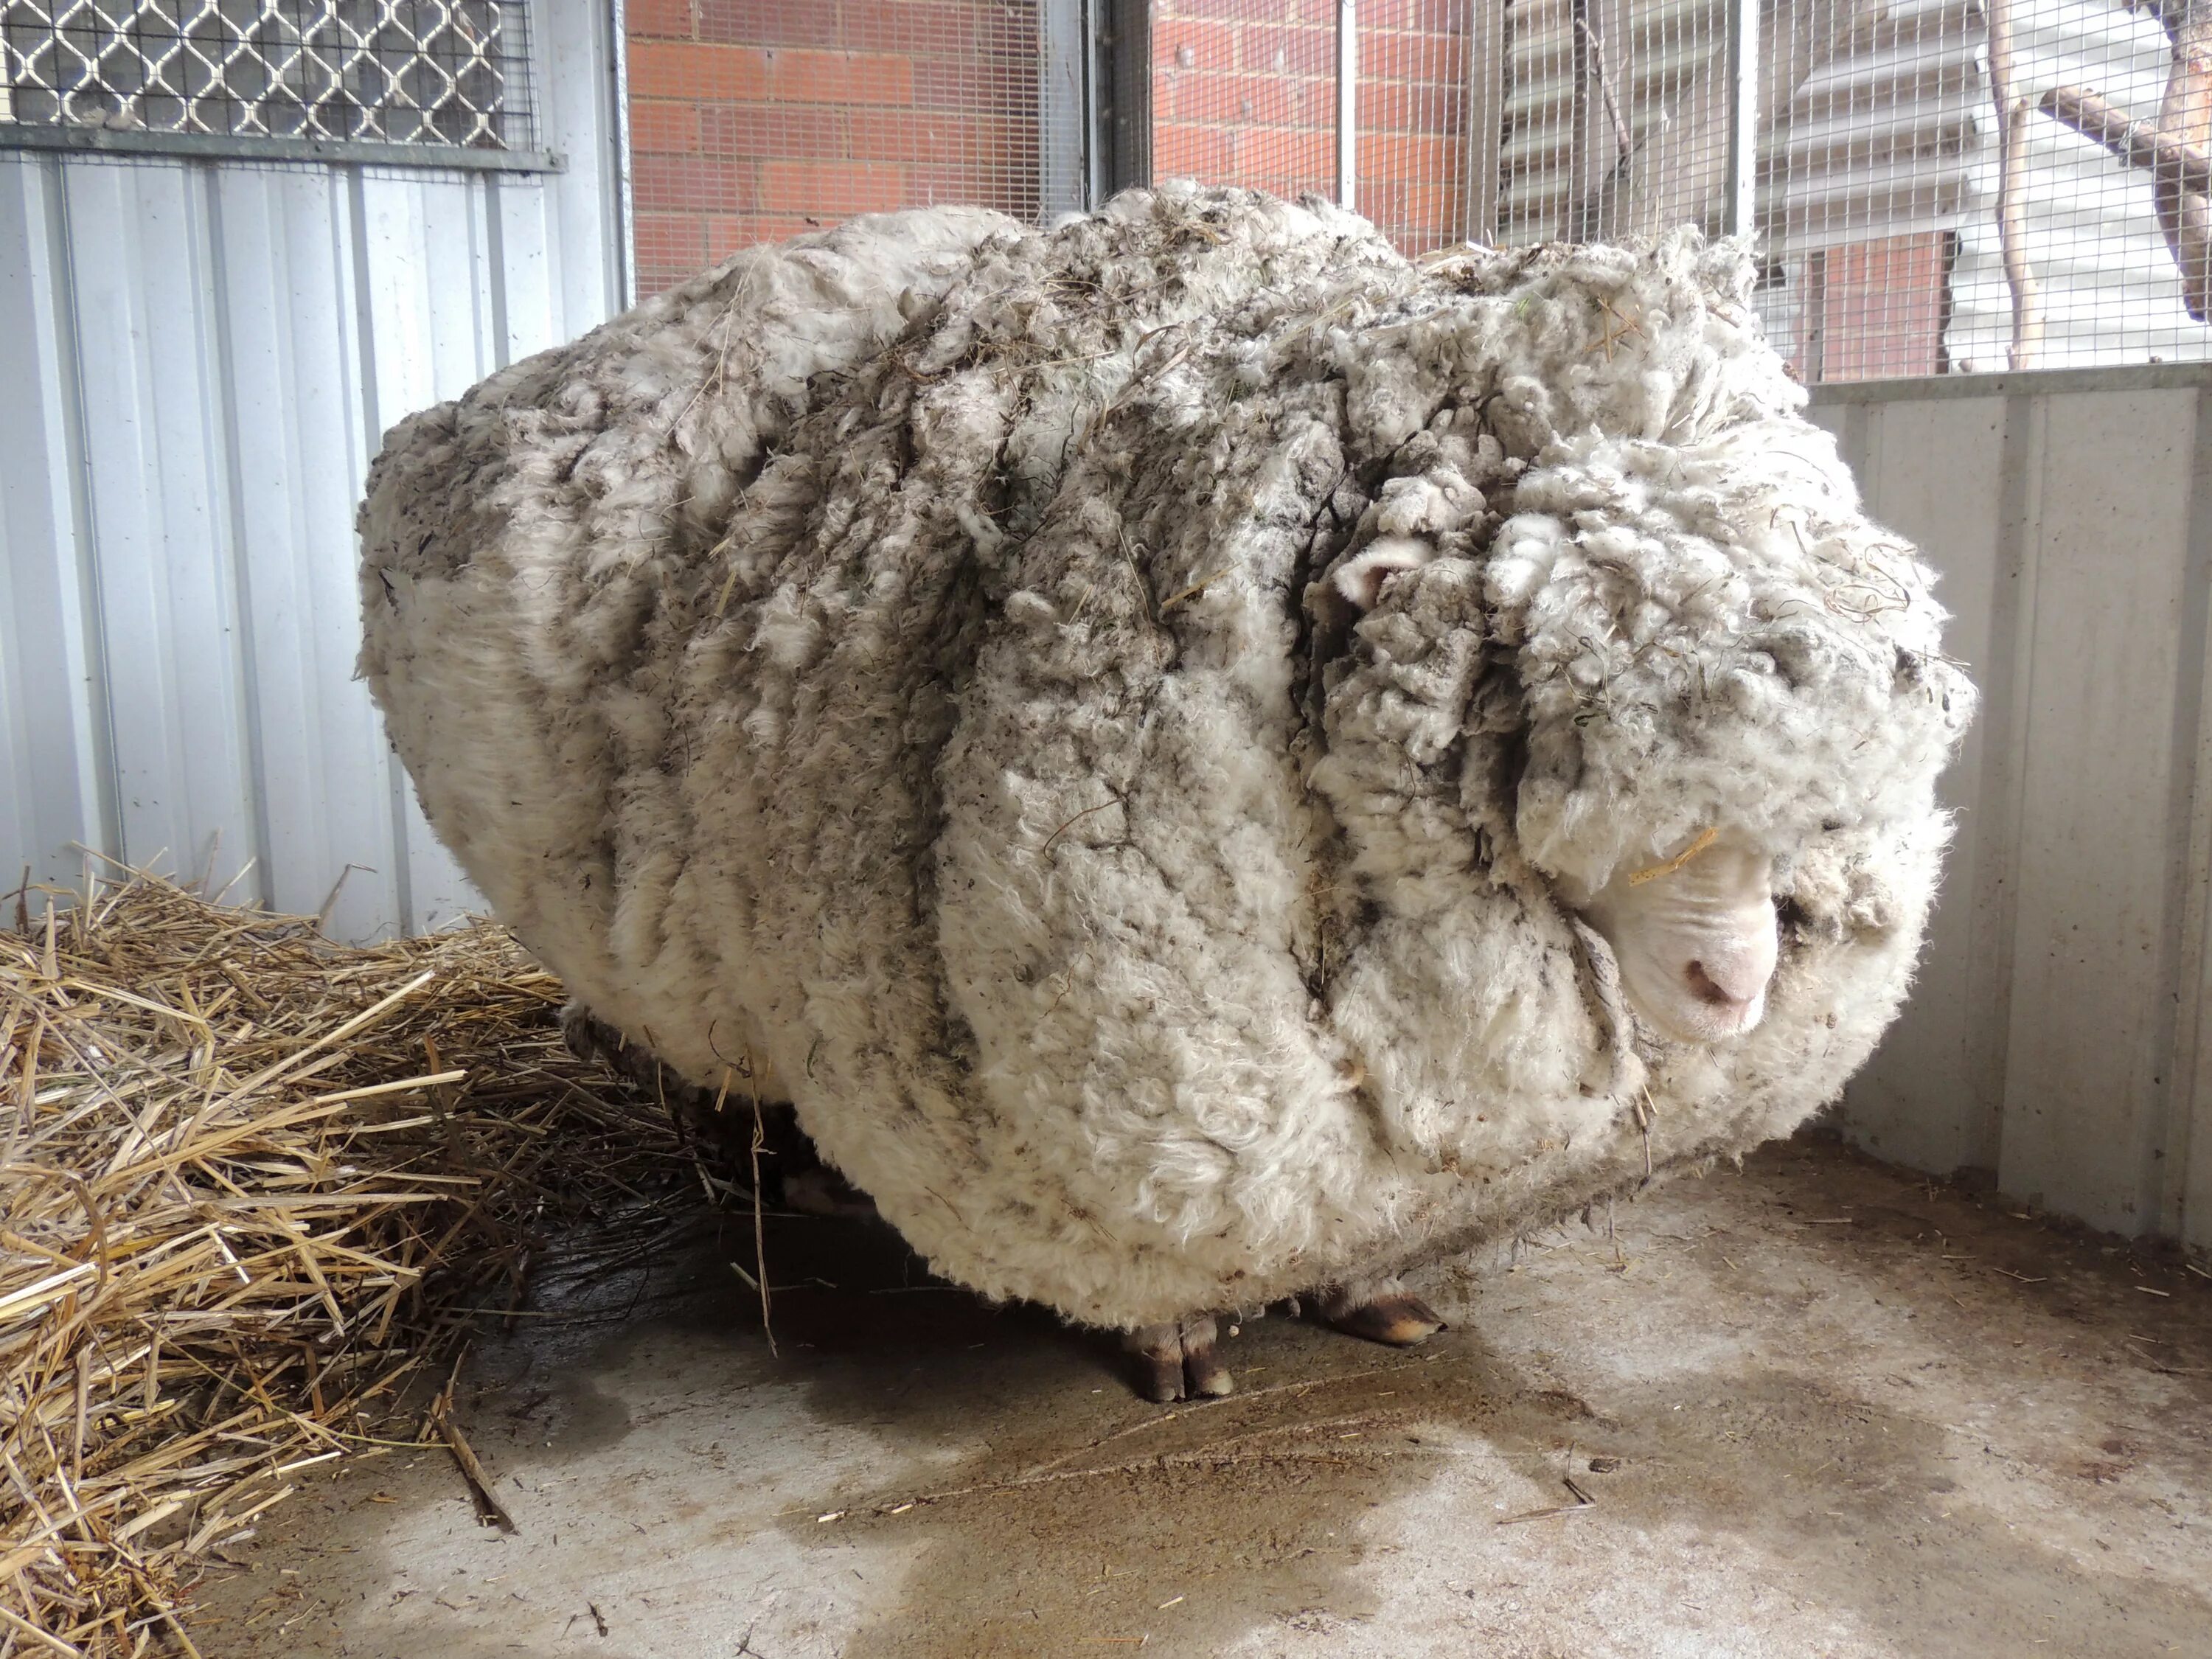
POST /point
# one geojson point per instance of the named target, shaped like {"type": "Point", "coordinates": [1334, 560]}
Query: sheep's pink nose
{"type": "Point", "coordinates": [1722, 988]}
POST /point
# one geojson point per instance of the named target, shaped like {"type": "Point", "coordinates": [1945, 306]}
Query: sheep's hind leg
{"type": "Point", "coordinates": [1177, 1361]}
{"type": "Point", "coordinates": [1380, 1311]}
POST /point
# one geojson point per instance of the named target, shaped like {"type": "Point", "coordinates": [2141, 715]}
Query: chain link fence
{"type": "Point", "coordinates": [451, 73]}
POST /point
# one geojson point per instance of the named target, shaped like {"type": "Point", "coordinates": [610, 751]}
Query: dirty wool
{"type": "Point", "coordinates": [1106, 722]}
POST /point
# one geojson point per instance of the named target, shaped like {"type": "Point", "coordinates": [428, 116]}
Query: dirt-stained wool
{"type": "Point", "coordinates": [1100, 719]}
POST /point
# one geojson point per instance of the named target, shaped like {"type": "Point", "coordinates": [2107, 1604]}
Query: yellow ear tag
{"type": "Point", "coordinates": [1706, 837]}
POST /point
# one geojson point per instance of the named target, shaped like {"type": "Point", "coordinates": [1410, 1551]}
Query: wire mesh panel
{"type": "Point", "coordinates": [2094, 243]}
{"type": "Point", "coordinates": [753, 120]}
{"type": "Point", "coordinates": [447, 72]}
{"type": "Point", "coordinates": [1614, 117]}
{"type": "Point", "coordinates": [1871, 158]}
{"type": "Point", "coordinates": [1246, 92]}
{"type": "Point", "coordinates": [1966, 185]}
{"type": "Point", "coordinates": [1933, 185]}
{"type": "Point", "coordinates": [1411, 118]}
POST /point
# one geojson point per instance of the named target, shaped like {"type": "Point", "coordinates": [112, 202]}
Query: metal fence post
{"type": "Point", "coordinates": [1120, 95]}
{"type": "Point", "coordinates": [1063, 100]}
{"type": "Point", "coordinates": [1740, 214]}
{"type": "Point", "coordinates": [625, 193]}
{"type": "Point", "coordinates": [1347, 104]}
{"type": "Point", "coordinates": [1485, 117]}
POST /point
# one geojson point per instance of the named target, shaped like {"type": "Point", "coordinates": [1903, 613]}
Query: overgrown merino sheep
{"type": "Point", "coordinates": [1166, 740]}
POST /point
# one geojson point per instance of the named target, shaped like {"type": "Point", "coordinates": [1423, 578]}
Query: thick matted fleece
{"type": "Point", "coordinates": [907, 671]}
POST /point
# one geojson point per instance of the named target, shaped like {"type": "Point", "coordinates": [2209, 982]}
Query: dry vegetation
{"type": "Point", "coordinates": [254, 1190]}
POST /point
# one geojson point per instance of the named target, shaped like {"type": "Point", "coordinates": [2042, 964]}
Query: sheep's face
{"type": "Point", "coordinates": [1695, 936]}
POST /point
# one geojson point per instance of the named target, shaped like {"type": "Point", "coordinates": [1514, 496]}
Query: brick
{"type": "Point", "coordinates": [656, 278]}
{"type": "Point", "coordinates": [1408, 156]}
{"type": "Point", "coordinates": [1010, 34]}
{"type": "Point", "coordinates": [1881, 305]}
{"type": "Point", "coordinates": [1241, 100]}
{"type": "Point", "coordinates": [832, 189]}
{"type": "Point", "coordinates": [1288, 51]}
{"type": "Point", "coordinates": [839, 77]}
{"type": "Point", "coordinates": [1232, 11]}
{"type": "Point", "coordinates": [668, 70]}
{"type": "Point", "coordinates": [1188, 44]}
{"type": "Point", "coordinates": [1404, 208]}
{"type": "Point", "coordinates": [1206, 154]}
{"type": "Point", "coordinates": [670, 247]}
{"type": "Point", "coordinates": [768, 22]}
{"type": "Point", "coordinates": [659, 126]}
{"type": "Point", "coordinates": [1009, 188]}
{"type": "Point", "coordinates": [928, 134]}
{"type": "Point", "coordinates": [1306, 158]}
{"type": "Point", "coordinates": [779, 131]}
{"type": "Point", "coordinates": [973, 84]}
{"type": "Point", "coordinates": [666, 18]}
{"type": "Point", "coordinates": [693, 184]}
{"type": "Point", "coordinates": [726, 235]}
{"type": "Point", "coordinates": [1384, 17]}
{"type": "Point", "coordinates": [1413, 106]}
{"type": "Point", "coordinates": [1438, 59]}
{"type": "Point", "coordinates": [914, 28]}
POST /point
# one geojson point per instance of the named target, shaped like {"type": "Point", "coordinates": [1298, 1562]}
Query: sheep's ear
{"type": "Point", "coordinates": [1360, 578]}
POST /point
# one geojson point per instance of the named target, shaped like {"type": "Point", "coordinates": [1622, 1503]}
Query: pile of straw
{"type": "Point", "coordinates": [253, 1186]}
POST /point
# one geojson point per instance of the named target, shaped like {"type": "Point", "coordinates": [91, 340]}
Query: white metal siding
{"type": "Point", "coordinates": [1883, 124]}
{"type": "Point", "coordinates": [199, 358]}
{"type": "Point", "coordinates": [2054, 1035]}
{"type": "Point", "coordinates": [1663, 57]}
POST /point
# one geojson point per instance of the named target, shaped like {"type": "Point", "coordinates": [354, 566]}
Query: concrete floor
{"type": "Point", "coordinates": [1818, 1408]}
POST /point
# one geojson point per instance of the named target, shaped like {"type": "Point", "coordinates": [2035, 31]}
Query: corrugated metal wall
{"type": "Point", "coordinates": [1878, 132]}
{"type": "Point", "coordinates": [1661, 67]}
{"type": "Point", "coordinates": [198, 358]}
{"type": "Point", "coordinates": [2058, 1033]}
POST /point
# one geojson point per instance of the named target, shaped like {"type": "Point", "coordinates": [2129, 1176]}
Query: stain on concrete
{"type": "Point", "coordinates": [1825, 1408]}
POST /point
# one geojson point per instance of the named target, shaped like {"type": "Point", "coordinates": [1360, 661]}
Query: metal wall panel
{"type": "Point", "coordinates": [2053, 1037]}
{"type": "Point", "coordinates": [53, 695]}
{"type": "Point", "coordinates": [200, 357]}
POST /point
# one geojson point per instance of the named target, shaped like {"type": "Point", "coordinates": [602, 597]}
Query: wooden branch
{"type": "Point", "coordinates": [2013, 118]}
{"type": "Point", "coordinates": [2184, 115]}
{"type": "Point", "coordinates": [2169, 15]}
{"type": "Point", "coordinates": [2139, 144]}
{"type": "Point", "coordinates": [1623, 144]}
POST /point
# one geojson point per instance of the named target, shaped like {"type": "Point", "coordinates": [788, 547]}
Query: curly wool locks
{"type": "Point", "coordinates": [1108, 722]}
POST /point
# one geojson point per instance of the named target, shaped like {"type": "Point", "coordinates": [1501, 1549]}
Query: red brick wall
{"type": "Point", "coordinates": [1873, 309]}
{"type": "Point", "coordinates": [1244, 93]}
{"type": "Point", "coordinates": [754, 120]}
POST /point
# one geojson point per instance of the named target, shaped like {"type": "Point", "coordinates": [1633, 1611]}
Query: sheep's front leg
{"type": "Point", "coordinates": [1381, 1310]}
{"type": "Point", "coordinates": [1177, 1360]}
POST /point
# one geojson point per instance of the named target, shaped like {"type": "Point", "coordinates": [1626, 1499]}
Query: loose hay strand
{"type": "Point", "coordinates": [1706, 837]}
{"type": "Point", "coordinates": [240, 1217]}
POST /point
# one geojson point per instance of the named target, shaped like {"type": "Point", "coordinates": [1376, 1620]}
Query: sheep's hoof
{"type": "Point", "coordinates": [1177, 1361]}
{"type": "Point", "coordinates": [1396, 1317]}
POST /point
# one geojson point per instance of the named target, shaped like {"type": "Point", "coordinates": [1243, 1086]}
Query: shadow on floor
{"type": "Point", "coordinates": [1829, 1409]}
